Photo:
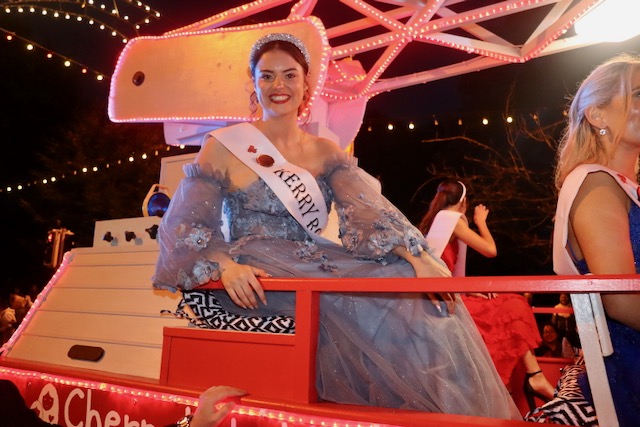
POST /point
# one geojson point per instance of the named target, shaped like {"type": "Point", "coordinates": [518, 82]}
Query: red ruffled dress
{"type": "Point", "coordinates": [506, 323]}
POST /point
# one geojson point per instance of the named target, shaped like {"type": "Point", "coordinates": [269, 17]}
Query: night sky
{"type": "Point", "coordinates": [39, 96]}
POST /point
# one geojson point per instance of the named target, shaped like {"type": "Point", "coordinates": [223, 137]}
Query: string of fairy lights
{"type": "Point", "coordinates": [451, 121]}
{"type": "Point", "coordinates": [31, 46]}
{"type": "Point", "coordinates": [87, 170]}
{"type": "Point", "coordinates": [122, 19]}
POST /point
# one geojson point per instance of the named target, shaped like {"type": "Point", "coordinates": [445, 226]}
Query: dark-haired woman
{"type": "Point", "coordinates": [505, 321]}
{"type": "Point", "coordinates": [277, 182]}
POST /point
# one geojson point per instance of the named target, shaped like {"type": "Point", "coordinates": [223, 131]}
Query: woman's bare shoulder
{"type": "Point", "coordinates": [601, 185]}
{"type": "Point", "coordinates": [212, 152]}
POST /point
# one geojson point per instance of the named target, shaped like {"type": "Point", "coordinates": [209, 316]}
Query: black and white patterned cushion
{"type": "Point", "coordinates": [569, 407]}
{"type": "Point", "coordinates": [210, 315]}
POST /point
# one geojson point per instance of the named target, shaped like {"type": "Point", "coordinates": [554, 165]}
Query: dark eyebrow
{"type": "Point", "coordinates": [262, 70]}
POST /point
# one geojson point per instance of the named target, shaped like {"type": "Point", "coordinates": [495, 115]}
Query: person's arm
{"type": "Point", "coordinates": [426, 266]}
{"type": "Point", "coordinates": [190, 236]}
{"type": "Point", "coordinates": [239, 280]}
{"type": "Point", "coordinates": [207, 415]}
{"type": "Point", "coordinates": [599, 219]}
{"type": "Point", "coordinates": [371, 227]}
{"type": "Point", "coordinates": [482, 242]}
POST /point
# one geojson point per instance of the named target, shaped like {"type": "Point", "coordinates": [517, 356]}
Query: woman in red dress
{"type": "Point", "coordinates": [505, 321]}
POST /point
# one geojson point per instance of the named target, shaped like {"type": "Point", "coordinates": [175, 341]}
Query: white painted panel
{"type": "Point", "coordinates": [113, 257]}
{"type": "Point", "coordinates": [115, 276]}
{"type": "Point", "coordinates": [104, 328]}
{"type": "Point", "coordinates": [118, 358]}
{"type": "Point", "coordinates": [139, 302]}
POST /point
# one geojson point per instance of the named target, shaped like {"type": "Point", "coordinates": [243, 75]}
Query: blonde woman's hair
{"type": "Point", "coordinates": [580, 143]}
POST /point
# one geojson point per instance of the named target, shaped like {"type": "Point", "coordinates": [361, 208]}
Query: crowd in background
{"type": "Point", "coordinates": [14, 306]}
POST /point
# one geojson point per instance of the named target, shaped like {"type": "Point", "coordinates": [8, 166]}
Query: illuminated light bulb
{"type": "Point", "coordinates": [100, 77]}
{"type": "Point", "coordinates": [20, 10]}
{"type": "Point", "coordinates": [102, 6]}
{"type": "Point", "coordinates": [509, 119]}
{"type": "Point", "coordinates": [19, 187]}
{"type": "Point", "coordinates": [90, 1]}
{"type": "Point", "coordinates": [91, 22]}
{"type": "Point", "coordinates": [56, 14]}
{"type": "Point", "coordinates": [113, 33]}
{"type": "Point", "coordinates": [124, 41]}
{"type": "Point", "coordinates": [459, 122]}
{"type": "Point", "coordinates": [44, 181]}
{"type": "Point", "coordinates": [610, 21]}
{"type": "Point", "coordinates": [126, 17]}
{"type": "Point", "coordinates": [137, 27]}
{"type": "Point", "coordinates": [32, 9]}
{"type": "Point", "coordinates": [102, 26]}
{"type": "Point", "coordinates": [147, 8]}
{"type": "Point", "coordinates": [29, 46]}
{"type": "Point", "coordinates": [485, 121]}
{"type": "Point", "coordinates": [436, 122]}
{"type": "Point", "coordinates": [157, 14]}
{"type": "Point", "coordinates": [44, 11]}
{"type": "Point", "coordinates": [95, 169]}
{"type": "Point", "coordinates": [9, 189]}
{"type": "Point", "coordinates": [49, 56]}
{"type": "Point", "coordinates": [67, 63]}
{"type": "Point", "coordinates": [114, 12]}
{"type": "Point", "coordinates": [144, 156]}
{"type": "Point", "coordinates": [53, 179]}
{"type": "Point", "coordinates": [131, 159]}
{"type": "Point", "coordinates": [84, 71]}
{"type": "Point", "coordinates": [67, 16]}
{"type": "Point", "coordinates": [7, 10]}
{"type": "Point", "coordinates": [79, 18]}
{"type": "Point", "coordinates": [390, 126]}
{"type": "Point", "coordinates": [85, 170]}
{"type": "Point", "coordinates": [146, 21]}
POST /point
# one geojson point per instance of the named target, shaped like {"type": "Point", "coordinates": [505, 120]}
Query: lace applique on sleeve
{"type": "Point", "coordinates": [190, 231]}
{"type": "Point", "coordinates": [370, 225]}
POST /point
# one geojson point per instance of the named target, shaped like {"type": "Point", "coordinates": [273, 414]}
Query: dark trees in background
{"type": "Point", "coordinates": [507, 167]}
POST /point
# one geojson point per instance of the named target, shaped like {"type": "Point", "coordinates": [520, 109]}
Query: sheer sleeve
{"type": "Point", "coordinates": [370, 225]}
{"type": "Point", "coordinates": [190, 232]}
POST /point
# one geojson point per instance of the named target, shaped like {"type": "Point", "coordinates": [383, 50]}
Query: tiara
{"type": "Point", "coordinates": [285, 37]}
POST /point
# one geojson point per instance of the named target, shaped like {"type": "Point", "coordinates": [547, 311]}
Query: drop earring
{"type": "Point", "coordinates": [602, 132]}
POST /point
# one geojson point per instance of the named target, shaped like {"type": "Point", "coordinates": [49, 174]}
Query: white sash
{"type": "Point", "coordinates": [562, 260]}
{"type": "Point", "coordinates": [296, 188]}
{"type": "Point", "coordinates": [438, 237]}
{"type": "Point", "coordinates": [591, 318]}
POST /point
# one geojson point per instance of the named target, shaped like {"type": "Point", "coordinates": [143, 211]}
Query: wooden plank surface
{"type": "Point", "coordinates": [127, 302]}
{"type": "Point", "coordinates": [118, 358]}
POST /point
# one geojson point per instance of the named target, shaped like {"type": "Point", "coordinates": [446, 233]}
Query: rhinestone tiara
{"type": "Point", "coordinates": [286, 37]}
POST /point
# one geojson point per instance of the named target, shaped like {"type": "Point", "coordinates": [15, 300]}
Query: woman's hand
{"type": "Point", "coordinates": [241, 283]}
{"type": "Point", "coordinates": [206, 415]}
{"type": "Point", "coordinates": [426, 266]}
{"type": "Point", "coordinates": [480, 214]}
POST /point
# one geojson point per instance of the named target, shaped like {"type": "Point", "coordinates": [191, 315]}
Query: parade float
{"type": "Point", "coordinates": [97, 350]}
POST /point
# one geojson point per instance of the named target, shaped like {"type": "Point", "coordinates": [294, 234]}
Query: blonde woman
{"type": "Point", "coordinates": [597, 224]}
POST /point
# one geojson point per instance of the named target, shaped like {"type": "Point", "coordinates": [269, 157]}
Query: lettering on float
{"type": "Point", "coordinates": [306, 205]}
{"type": "Point", "coordinates": [80, 410]}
